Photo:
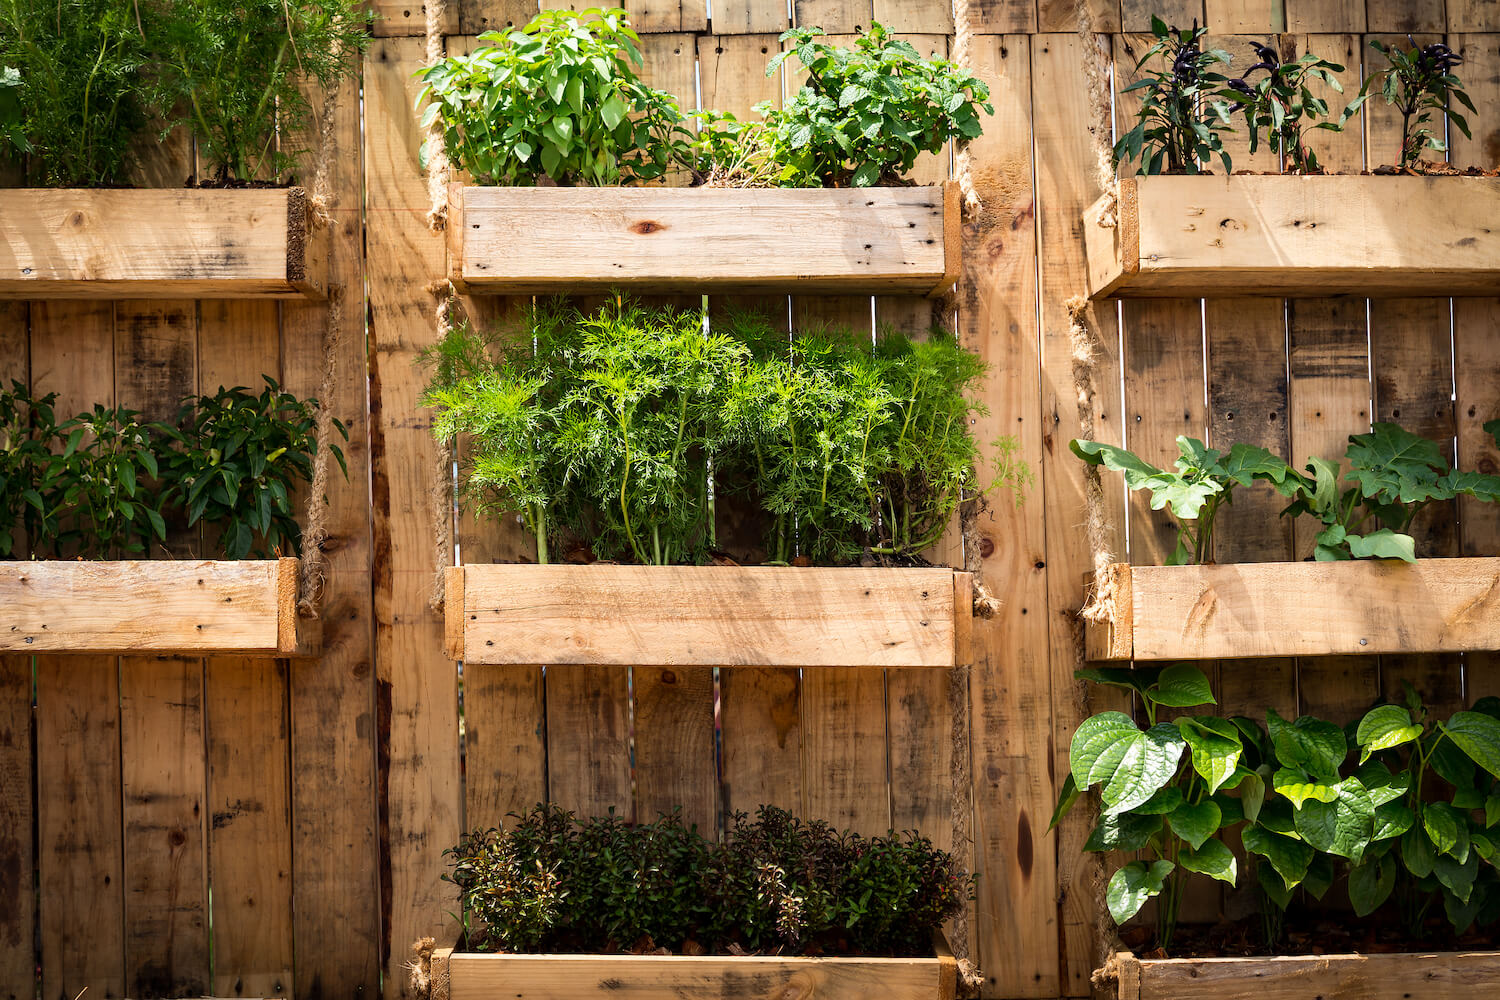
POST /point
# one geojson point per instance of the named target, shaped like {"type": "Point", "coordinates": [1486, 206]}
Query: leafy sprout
{"type": "Point", "coordinates": [1421, 84]}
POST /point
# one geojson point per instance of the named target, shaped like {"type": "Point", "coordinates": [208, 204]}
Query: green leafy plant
{"type": "Point", "coordinates": [556, 883]}
{"type": "Point", "coordinates": [27, 428]}
{"type": "Point", "coordinates": [866, 113]}
{"type": "Point", "coordinates": [1203, 481]}
{"type": "Point", "coordinates": [74, 84]}
{"type": "Point", "coordinates": [236, 71]}
{"type": "Point", "coordinates": [1396, 475]}
{"type": "Point", "coordinates": [1283, 105]}
{"type": "Point", "coordinates": [1420, 83]}
{"type": "Point", "coordinates": [103, 493]}
{"type": "Point", "coordinates": [559, 99]}
{"type": "Point", "coordinates": [1165, 789]}
{"type": "Point", "coordinates": [240, 460]}
{"type": "Point", "coordinates": [1184, 110]}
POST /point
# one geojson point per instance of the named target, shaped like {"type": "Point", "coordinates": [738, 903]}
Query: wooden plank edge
{"type": "Point", "coordinates": [1378, 976]}
{"type": "Point", "coordinates": [454, 238]}
{"type": "Point", "coordinates": [1128, 968]}
{"type": "Point", "coordinates": [454, 613]}
{"type": "Point", "coordinates": [439, 978]}
{"type": "Point", "coordinates": [963, 619]}
{"type": "Point", "coordinates": [308, 243]}
{"type": "Point", "coordinates": [1113, 638]}
{"type": "Point", "coordinates": [953, 239]}
{"type": "Point", "coordinates": [413, 22]}
{"type": "Point", "coordinates": [287, 575]}
{"type": "Point", "coordinates": [947, 966]}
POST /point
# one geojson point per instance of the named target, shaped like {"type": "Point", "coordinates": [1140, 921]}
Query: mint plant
{"type": "Point", "coordinates": [560, 99]}
{"type": "Point", "coordinates": [1420, 84]}
{"type": "Point", "coordinates": [1185, 107]}
{"type": "Point", "coordinates": [1283, 105]}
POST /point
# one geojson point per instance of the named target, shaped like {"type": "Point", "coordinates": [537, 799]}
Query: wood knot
{"type": "Point", "coordinates": [668, 677]}
{"type": "Point", "coordinates": [646, 227]}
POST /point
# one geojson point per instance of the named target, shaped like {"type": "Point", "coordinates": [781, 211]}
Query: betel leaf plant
{"type": "Point", "coordinates": [559, 100]}
{"type": "Point", "coordinates": [866, 113]}
{"type": "Point", "coordinates": [1202, 481]}
{"type": "Point", "coordinates": [1283, 105]}
{"type": "Point", "coordinates": [1169, 789]}
{"type": "Point", "coordinates": [1421, 85]}
{"type": "Point", "coordinates": [1185, 105]}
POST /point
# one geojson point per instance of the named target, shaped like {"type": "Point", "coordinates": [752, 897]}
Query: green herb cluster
{"type": "Point", "coordinates": [92, 77]}
{"type": "Point", "coordinates": [1415, 814]}
{"type": "Point", "coordinates": [561, 101]}
{"type": "Point", "coordinates": [1188, 104]}
{"type": "Point", "coordinates": [778, 885]}
{"type": "Point", "coordinates": [105, 484]}
{"type": "Point", "coordinates": [1395, 475]}
{"type": "Point", "coordinates": [620, 427]}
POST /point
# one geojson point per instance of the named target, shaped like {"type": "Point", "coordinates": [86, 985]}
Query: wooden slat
{"type": "Point", "coordinates": [833, 16]}
{"type": "Point", "coordinates": [394, 18]}
{"type": "Point", "coordinates": [1325, 15]}
{"type": "Point", "coordinates": [588, 740]}
{"type": "Point", "coordinates": [1404, 15]}
{"type": "Point", "coordinates": [1286, 235]}
{"type": "Point", "coordinates": [161, 244]}
{"type": "Point", "coordinates": [761, 733]}
{"type": "Point", "coordinates": [576, 240]}
{"type": "Point", "coordinates": [478, 16]}
{"type": "Point", "coordinates": [1226, 17]}
{"type": "Point", "coordinates": [674, 744]}
{"type": "Point", "coordinates": [652, 977]}
{"type": "Point", "coordinates": [157, 606]}
{"type": "Point", "coordinates": [707, 615]}
{"type": "Point", "coordinates": [1314, 609]}
{"type": "Point", "coordinates": [1429, 975]}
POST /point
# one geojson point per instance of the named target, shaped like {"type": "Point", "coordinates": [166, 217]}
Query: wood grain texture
{"type": "Point", "coordinates": [1288, 235]}
{"type": "Point", "coordinates": [1429, 975]}
{"type": "Point", "coordinates": [674, 745]}
{"type": "Point", "coordinates": [478, 16]}
{"type": "Point", "coordinates": [1314, 609]}
{"type": "Point", "coordinates": [102, 244]}
{"type": "Point", "coordinates": [588, 740]}
{"type": "Point", "coordinates": [517, 240]}
{"type": "Point", "coordinates": [649, 977]}
{"type": "Point", "coordinates": [160, 606]}
{"type": "Point", "coordinates": [17, 844]}
{"type": "Point", "coordinates": [1325, 15]}
{"type": "Point", "coordinates": [394, 18]}
{"type": "Point", "coordinates": [707, 616]}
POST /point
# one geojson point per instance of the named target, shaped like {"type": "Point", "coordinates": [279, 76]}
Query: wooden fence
{"type": "Point", "coordinates": [166, 814]}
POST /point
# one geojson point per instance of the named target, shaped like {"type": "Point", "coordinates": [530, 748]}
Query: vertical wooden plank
{"type": "Point", "coordinates": [335, 850]}
{"type": "Point", "coordinates": [914, 17]}
{"type": "Point", "coordinates": [588, 739]}
{"type": "Point", "coordinates": [762, 739]}
{"type": "Point", "coordinates": [1343, 151]}
{"type": "Point", "coordinates": [18, 944]}
{"type": "Point", "coordinates": [844, 749]}
{"type": "Point", "coordinates": [748, 17]}
{"type": "Point", "coordinates": [1473, 15]}
{"type": "Point", "coordinates": [1325, 15]}
{"type": "Point", "coordinates": [417, 688]}
{"type": "Point", "coordinates": [674, 744]}
{"type": "Point", "coordinates": [667, 15]}
{"type": "Point", "coordinates": [837, 17]}
{"type": "Point", "coordinates": [1329, 389]}
{"type": "Point", "coordinates": [79, 848]}
{"type": "Point", "coordinates": [732, 72]}
{"type": "Point", "coordinates": [245, 724]}
{"type": "Point", "coordinates": [1062, 15]}
{"type": "Point", "coordinates": [1404, 15]}
{"type": "Point", "coordinates": [478, 16]}
{"type": "Point", "coordinates": [1067, 182]}
{"type": "Point", "coordinates": [1135, 15]}
{"type": "Point", "coordinates": [162, 767]}
{"type": "Point", "coordinates": [1231, 17]}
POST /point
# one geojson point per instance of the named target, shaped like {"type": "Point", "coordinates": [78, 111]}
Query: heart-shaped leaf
{"type": "Point", "coordinates": [1122, 832]}
{"type": "Point", "coordinates": [1298, 788]}
{"type": "Point", "coordinates": [1214, 745]}
{"type": "Point", "coordinates": [1212, 858]}
{"type": "Point", "coordinates": [1371, 882]}
{"type": "Point", "coordinates": [1110, 748]}
{"type": "Point", "coordinates": [1313, 745]}
{"type": "Point", "coordinates": [1195, 823]}
{"type": "Point", "coordinates": [1478, 736]}
{"type": "Point", "coordinates": [1343, 826]}
{"type": "Point", "coordinates": [1383, 728]}
{"type": "Point", "coordinates": [1132, 885]}
{"type": "Point", "coordinates": [1289, 857]}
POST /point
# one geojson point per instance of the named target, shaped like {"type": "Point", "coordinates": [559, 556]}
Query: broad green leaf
{"type": "Point", "coordinates": [1456, 876]}
{"type": "Point", "coordinates": [1132, 885]}
{"type": "Point", "coordinates": [1343, 826]}
{"type": "Point", "coordinates": [1277, 891]}
{"type": "Point", "coordinates": [1315, 746]}
{"type": "Point", "coordinates": [1181, 686]}
{"type": "Point", "coordinates": [1163, 802]}
{"type": "Point", "coordinates": [1065, 800]}
{"type": "Point", "coordinates": [1289, 857]}
{"type": "Point", "coordinates": [1110, 748]}
{"type": "Point", "coordinates": [1392, 819]}
{"type": "Point", "coordinates": [1246, 463]}
{"type": "Point", "coordinates": [1122, 832]}
{"type": "Point", "coordinates": [1383, 728]}
{"type": "Point", "coordinates": [1319, 877]}
{"type": "Point", "coordinates": [1297, 788]}
{"type": "Point", "coordinates": [1252, 795]}
{"type": "Point", "coordinates": [1492, 810]}
{"type": "Point", "coordinates": [1383, 544]}
{"type": "Point", "coordinates": [1214, 745]}
{"type": "Point", "coordinates": [1212, 859]}
{"type": "Point", "coordinates": [1394, 461]}
{"type": "Point", "coordinates": [1382, 785]}
{"type": "Point", "coordinates": [1478, 736]}
{"type": "Point", "coordinates": [1441, 824]}
{"type": "Point", "coordinates": [1417, 852]}
{"type": "Point", "coordinates": [1371, 882]}
{"type": "Point", "coordinates": [1195, 823]}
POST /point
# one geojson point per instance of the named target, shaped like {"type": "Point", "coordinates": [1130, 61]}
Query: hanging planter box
{"type": "Point", "coordinates": [181, 243]}
{"type": "Point", "coordinates": [464, 976]}
{"type": "Point", "coordinates": [1292, 235]}
{"type": "Point", "coordinates": [1425, 975]}
{"type": "Point", "coordinates": [507, 240]}
{"type": "Point", "coordinates": [1253, 610]}
{"type": "Point", "coordinates": [153, 606]}
{"type": "Point", "coordinates": [709, 616]}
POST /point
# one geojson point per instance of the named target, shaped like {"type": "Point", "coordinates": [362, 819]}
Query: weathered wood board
{"type": "Point", "coordinates": [577, 240]}
{"type": "Point", "coordinates": [160, 244]}
{"type": "Point", "coordinates": [155, 606]}
{"type": "Point", "coordinates": [466, 976]}
{"type": "Point", "coordinates": [1238, 611]}
{"type": "Point", "coordinates": [1429, 975]}
{"type": "Point", "coordinates": [708, 616]}
{"type": "Point", "coordinates": [1291, 235]}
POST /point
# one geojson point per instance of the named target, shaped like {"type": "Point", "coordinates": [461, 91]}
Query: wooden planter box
{"type": "Point", "coordinates": [185, 243]}
{"type": "Point", "coordinates": [1292, 235]}
{"type": "Point", "coordinates": [153, 606]}
{"type": "Point", "coordinates": [1251, 610]}
{"type": "Point", "coordinates": [709, 616]}
{"type": "Point", "coordinates": [505, 240]}
{"type": "Point", "coordinates": [465, 976]}
{"type": "Point", "coordinates": [1411, 976]}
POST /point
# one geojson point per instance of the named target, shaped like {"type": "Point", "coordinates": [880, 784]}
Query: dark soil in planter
{"type": "Point", "coordinates": [1309, 934]}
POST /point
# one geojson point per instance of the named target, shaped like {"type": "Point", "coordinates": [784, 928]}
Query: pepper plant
{"type": "Point", "coordinates": [27, 466]}
{"type": "Point", "coordinates": [1283, 105]}
{"type": "Point", "coordinates": [560, 99]}
{"type": "Point", "coordinates": [1420, 84]}
{"type": "Point", "coordinates": [1184, 107]}
{"type": "Point", "coordinates": [103, 491]}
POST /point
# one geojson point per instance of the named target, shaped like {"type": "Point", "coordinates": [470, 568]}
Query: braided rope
{"type": "Point", "coordinates": [314, 560]}
{"type": "Point", "coordinates": [438, 167]}
{"type": "Point", "coordinates": [1101, 128]}
{"type": "Point", "coordinates": [440, 490]}
{"type": "Point", "coordinates": [963, 167]}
